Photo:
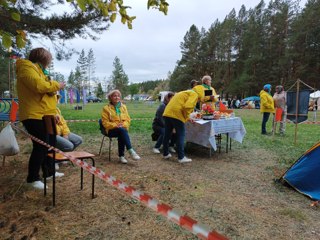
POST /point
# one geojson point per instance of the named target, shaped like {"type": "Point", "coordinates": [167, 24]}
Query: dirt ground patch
{"type": "Point", "coordinates": [233, 193]}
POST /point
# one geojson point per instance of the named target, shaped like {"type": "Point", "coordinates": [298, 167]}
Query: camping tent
{"type": "Point", "coordinates": [304, 175]}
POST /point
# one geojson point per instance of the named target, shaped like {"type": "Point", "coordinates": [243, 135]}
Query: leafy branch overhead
{"type": "Point", "coordinates": [34, 18]}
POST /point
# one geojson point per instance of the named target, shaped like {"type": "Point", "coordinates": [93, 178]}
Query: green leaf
{"type": "Point", "coordinates": [123, 20]}
{"type": "Point", "coordinates": [6, 40]}
{"type": "Point", "coordinates": [82, 4]}
{"type": "Point", "coordinates": [129, 25]}
{"type": "Point", "coordinates": [113, 17]}
{"type": "Point", "coordinates": [15, 16]}
{"type": "Point", "coordinates": [20, 41]}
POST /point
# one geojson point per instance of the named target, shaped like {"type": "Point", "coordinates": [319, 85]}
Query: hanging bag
{"type": "Point", "coordinates": [8, 142]}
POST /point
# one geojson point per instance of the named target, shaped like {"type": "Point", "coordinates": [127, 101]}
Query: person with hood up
{"type": "Point", "coordinates": [175, 115]}
{"type": "Point", "coordinates": [116, 121]}
{"type": "Point", "coordinates": [37, 97]}
{"type": "Point", "coordinates": [266, 106]}
{"type": "Point", "coordinates": [280, 101]}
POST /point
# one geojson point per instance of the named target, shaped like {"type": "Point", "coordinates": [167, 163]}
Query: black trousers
{"type": "Point", "coordinates": [38, 158]}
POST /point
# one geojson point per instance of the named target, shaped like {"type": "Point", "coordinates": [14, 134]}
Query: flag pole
{"type": "Point", "coordinates": [297, 107]}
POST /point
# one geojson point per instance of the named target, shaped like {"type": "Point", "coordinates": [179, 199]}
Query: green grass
{"type": "Point", "coordinates": [142, 114]}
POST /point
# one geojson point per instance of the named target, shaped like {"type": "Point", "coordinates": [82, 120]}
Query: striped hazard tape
{"type": "Point", "coordinates": [95, 120]}
{"type": "Point", "coordinates": [198, 229]}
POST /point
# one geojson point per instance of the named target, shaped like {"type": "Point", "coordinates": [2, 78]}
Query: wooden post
{"type": "Point", "coordinates": [297, 108]}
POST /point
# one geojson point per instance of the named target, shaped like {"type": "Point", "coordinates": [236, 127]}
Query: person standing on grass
{"type": "Point", "coordinates": [280, 101]}
{"type": "Point", "coordinates": [116, 121]}
{"type": "Point", "coordinates": [266, 107]}
{"type": "Point", "coordinates": [175, 115]}
{"type": "Point", "coordinates": [37, 97]}
{"type": "Point", "coordinates": [158, 126]}
{"type": "Point", "coordinates": [200, 90]}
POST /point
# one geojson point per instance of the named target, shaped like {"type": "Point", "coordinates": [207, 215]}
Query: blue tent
{"type": "Point", "coordinates": [304, 175]}
{"type": "Point", "coordinates": [252, 98]}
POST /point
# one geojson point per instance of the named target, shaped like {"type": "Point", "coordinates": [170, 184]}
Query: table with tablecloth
{"type": "Point", "coordinates": [204, 132]}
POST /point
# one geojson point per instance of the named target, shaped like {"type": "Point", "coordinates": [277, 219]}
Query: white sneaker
{"type": "Point", "coordinates": [58, 174]}
{"type": "Point", "coordinates": [167, 156]}
{"type": "Point", "coordinates": [56, 166]}
{"type": "Point", "coordinates": [172, 150]}
{"type": "Point", "coordinates": [134, 155]}
{"type": "Point", "coordinates": [37, 185]}
{"type": "Point", "coordinates": [184, 160]}
{"type": "Point", "coordinates": [156, 150]}
{"type": "Point", "coordinates": [123, 160]}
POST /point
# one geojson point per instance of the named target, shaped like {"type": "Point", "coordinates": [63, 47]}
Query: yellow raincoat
{"type": "Point", "coordinates": [62, 127]}
{"type": "Point", "coordinates": [181, 105]}
{"type": "Point", "coordinates": [266, 102]}
{"type": "Point", "coordinates": [110, 119]}
{"type": "Point", "coordinates": [35, 91]}
{"type": "Point", "coordinates": [206, 99]}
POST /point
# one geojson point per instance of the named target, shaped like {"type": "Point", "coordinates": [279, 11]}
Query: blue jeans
{"type": "Point", "coordinates": [123, 139]}
{"type": "Point", "coordinates": [265, 119]}
{"type": "Point", "coordinates": [169, 125]}
{"type": "Point", "coordinates": [160, 139]}
{"type": "Point", "coordinates": [68, 145]}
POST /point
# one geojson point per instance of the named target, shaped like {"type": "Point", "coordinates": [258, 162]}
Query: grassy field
{"type": "Point", "coordinates": [233, 193]}
{"type": "Point", "coordinates": [142, 114]}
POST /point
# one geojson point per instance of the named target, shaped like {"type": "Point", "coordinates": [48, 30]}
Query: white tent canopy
{"type": "Point", "coordinates": [315, 94]}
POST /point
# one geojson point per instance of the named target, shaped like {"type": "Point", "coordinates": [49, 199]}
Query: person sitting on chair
{"type": "Point", "coordinates": [66, 140]}
{"type": "Point", "coordinates": [116, 121]}
{"type": "Point", "coordinates": [158, 126]}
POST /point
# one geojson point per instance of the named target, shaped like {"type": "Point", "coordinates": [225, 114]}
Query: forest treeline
{"type": "Point", "coordinates": [274, 43]}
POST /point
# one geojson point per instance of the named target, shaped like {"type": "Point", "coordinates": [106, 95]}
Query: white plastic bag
{"type": "Point", "coordinates": [8, 142]}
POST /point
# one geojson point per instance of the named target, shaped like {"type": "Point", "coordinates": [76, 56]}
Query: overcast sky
{"type": "Point", "coordinates": [151, 49]}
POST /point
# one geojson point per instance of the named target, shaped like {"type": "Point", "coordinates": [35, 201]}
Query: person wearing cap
{"type": "Point", "coordinates": [36, 93]}
{"type": "Point", "coordinates": [200, 90]}
{"type": "Point", "coordinates": [116, 121]}
{"type": "Point", "coordinates": [193, 83]}
{"type": "Point", "coordinates": [266, 106]}
{"type": "Point", "coordinates": [175, 115]}
{"type": "Point", "coordinates": [280, 102]}
{"type": "Point", "coordinates": [66, 140]}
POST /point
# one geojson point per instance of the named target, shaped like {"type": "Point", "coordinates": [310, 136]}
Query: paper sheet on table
{"type": "Point", "coordinates": [201, 121]}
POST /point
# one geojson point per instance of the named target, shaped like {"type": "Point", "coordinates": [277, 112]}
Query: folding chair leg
{"type": "Point", "coordinates": [110, 141]}
{"type": "Point", "coordinates": [101, 145]}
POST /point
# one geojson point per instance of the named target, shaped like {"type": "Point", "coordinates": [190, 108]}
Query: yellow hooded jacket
{"type": "Point", "coordinates": [266, 102]}
{"type": "Point", "coordinates": [34, 91]}
{"type": "Point", "coordinates": [110, 119]}
{"type": "Point", "coordinates": [205, 99]}
{"type": "Point", "coordinates": [62, 127]}
{"type": "Point", "coordinates": [181, 105]}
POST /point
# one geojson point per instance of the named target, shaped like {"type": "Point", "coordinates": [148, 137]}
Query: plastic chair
{"type": "Point", "coordinates": [51, 130]}
{"type": "Point", "coordinates": [104, 133]}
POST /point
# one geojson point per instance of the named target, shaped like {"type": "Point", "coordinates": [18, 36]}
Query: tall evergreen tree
{"type": "Point", "coordinates": [119, 78]}
{"type": "Point", "coordinates": [90, 68]}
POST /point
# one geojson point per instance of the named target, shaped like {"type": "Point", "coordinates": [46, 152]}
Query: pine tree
{"type": "Point", "coordinates": [119, 78]}
{"type": "Point", "coordinates": [90, 68]}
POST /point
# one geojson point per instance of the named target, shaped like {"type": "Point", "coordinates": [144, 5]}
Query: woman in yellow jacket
{"type": "Point", "coordinates": [175, 115]}
{"type": "Point", "coordinates": [200, 90]}
{"type": "Point", "coordinates": [66, 140]}
{"type": "Point", "coordinates": [116, 121]}
{"type": "Point", "coordinates": [266, 106]}
{"type": "Point", "coordinates": [36, 93]}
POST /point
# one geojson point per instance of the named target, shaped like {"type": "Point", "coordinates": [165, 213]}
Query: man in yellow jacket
{"type": "Point", "coordinates": [266, 106]}
{"type": "Point", "coordinates": [200, 90]}
{"type": "Point", "coordinates": [175, 115]}
{"type": "Point", "coordinates": [36, 93]}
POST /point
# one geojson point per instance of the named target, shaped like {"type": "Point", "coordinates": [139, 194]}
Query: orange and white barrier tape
{"type": "Point", "coordinates": [202, 231]}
